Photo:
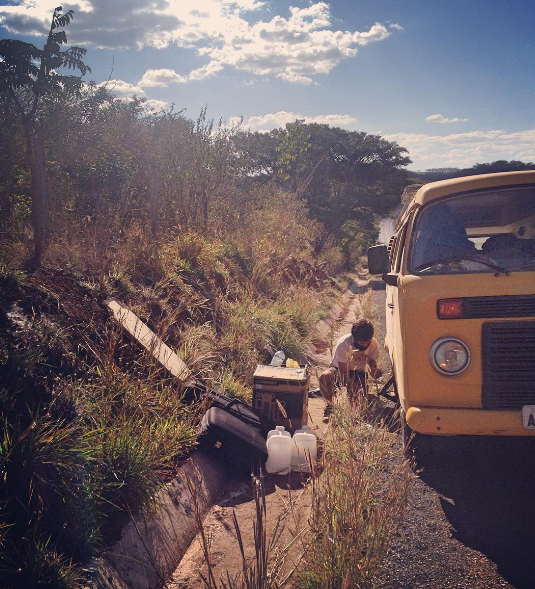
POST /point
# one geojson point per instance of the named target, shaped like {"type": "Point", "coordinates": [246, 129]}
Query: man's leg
{"type": "Point", "coordinates": [356, 384]}
{"type": "Point", "coordinates": [327, 382]}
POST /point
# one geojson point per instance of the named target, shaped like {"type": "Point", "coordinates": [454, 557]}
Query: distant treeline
{"type": "Point", "coordinates": [434, 174]}
{"type": "Point", "coordinates": [73, 156]}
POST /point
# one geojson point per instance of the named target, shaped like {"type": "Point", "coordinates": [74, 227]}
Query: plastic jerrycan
{"type": "Point", "coordinates": [279, 428]}
{"type": "Point", "coordinates": [305, 444]}
{"type": "Point", "coordinates": [279, 447]}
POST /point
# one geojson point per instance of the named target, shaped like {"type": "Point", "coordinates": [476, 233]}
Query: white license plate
{"type": "Point", "coordinates": [528, 416]}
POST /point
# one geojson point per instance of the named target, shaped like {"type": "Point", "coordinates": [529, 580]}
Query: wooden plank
{"type": "Point", "coordinates": [149, 340]}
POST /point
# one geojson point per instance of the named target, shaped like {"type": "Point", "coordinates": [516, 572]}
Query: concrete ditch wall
{"type": "Point", "coordinates": [153, 544]}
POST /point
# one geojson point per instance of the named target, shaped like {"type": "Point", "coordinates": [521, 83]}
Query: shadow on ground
{"type": "Point", "coordinates": [487, 487]}
{"type": "Point", "coordinates": [355, 288]}
{"type": "Point", "coordinates": [377, 284]}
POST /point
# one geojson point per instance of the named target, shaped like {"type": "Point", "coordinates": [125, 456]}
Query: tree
{"type": "Point", "coordinates": [497, 166]}
{"type": "Point", "coordinates": [28, 76]}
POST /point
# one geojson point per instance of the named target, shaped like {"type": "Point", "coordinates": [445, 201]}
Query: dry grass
{"type": "Point", "coordinates": [266, 568]}
{"type": "Point", "coordinates": [359, 493]}
{"type": "Point", "coordinates": [359, 500]}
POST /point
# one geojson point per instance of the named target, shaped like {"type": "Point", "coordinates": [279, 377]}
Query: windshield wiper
{"type": "Point", "coordinates": [498, 269]}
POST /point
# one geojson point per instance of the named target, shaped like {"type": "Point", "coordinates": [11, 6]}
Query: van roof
{"type": "Point", "coordinates": [435, 190]}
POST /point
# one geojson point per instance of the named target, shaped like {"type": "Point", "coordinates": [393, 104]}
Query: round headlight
{"type": "Point", "coordinates": [449, 355]}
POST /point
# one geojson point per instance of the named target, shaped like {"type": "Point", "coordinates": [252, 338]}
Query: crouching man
{"type": "Point", "coordinates": [353, 353]}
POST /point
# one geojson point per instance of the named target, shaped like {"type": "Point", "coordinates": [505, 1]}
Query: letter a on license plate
{"type": "Point", "coordinates": [528, 416]}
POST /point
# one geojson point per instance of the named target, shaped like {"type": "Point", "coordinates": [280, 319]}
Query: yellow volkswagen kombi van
{"type": "Point", "coordinates": [460, 307]}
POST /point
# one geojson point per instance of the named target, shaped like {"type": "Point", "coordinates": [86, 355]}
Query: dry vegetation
{"type": "Point", "coordinates": [220, 239]}
{"type": "Point", "coordinates": [91, 427]}
{"type": "Point", "coordinates": [359, 499]}
{"type": "Point", "coordinates": [358, 496]}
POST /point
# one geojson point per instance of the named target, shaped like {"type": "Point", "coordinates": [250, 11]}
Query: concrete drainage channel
{"type": "Point", "coordinates": [152, 545]}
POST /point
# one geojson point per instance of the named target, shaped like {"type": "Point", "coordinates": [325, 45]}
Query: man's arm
{"type": "Point", "coordinates": [374, 370]}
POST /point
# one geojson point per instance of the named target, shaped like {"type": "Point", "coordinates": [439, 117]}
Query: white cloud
{"type": "Point", "coordinates": [123, 89]}
{"type": "Point", "coordinates": [126, 92]}
{"type": "Point", "coordinates": [438, 118]}
{"type": "Point", "coordinates": [156, 105]}
{"type": "Point", "coordinates": [294, 47]}
{"type": "Point", "coordinates": [162, 78]}
{"type": "Point", "coordinates": [206, 71]}
{"type": "Point", "coordinates": [466, 149]}
{"type": "Point", "coordinates": [377, 33]}
{"type": "Point", "coordinates": [271, 121]}
{"type": "Point", "coordinates": [296, 79]}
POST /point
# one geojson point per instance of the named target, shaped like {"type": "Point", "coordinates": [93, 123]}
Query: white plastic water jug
{"type": "Point", "coordinates": [304, 448]}
{"type": "Point", "coordinates": [279, 447]}
{"type": "Point", "coordinates": [278, 358]}
{"type": "Point", "coordinates": [279, 428]}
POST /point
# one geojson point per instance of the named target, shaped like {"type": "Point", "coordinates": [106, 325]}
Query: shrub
{"type": "Point", "coordinates": [45, 495]}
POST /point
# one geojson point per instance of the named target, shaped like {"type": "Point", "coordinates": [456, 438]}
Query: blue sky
{"type": "Point", "coordinates": [453, 81]}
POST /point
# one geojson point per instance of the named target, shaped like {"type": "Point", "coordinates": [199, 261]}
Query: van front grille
{"type": "Point", "coordinates": [508, 356]}
{"type": "Point", "coordinates": [498, 307]}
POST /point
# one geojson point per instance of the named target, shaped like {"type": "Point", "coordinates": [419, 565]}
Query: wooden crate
{"type": "Point", "coordinates": [280, 394]}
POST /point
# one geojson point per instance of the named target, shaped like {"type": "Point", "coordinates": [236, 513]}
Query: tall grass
{"type": "Point", "coordinates": [39, 564]}
{"type": "Point", "coordinates": [106, 427]}
{"type": "Point", "coordinates": [359, 493]}
{"type": "Point", "coordinates": [46, 506]}
{"type": "Point", "coordinates": [252, 329]}
{"type": "Point", "coordinates": [68, 486]}
{"type": "Point", "coordinates": [358, 502]}
{"type": "Point", "coordinates": [136, 430]}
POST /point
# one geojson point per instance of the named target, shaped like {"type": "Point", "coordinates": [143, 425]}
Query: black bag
{"type": "Point", "coordinates": [233, 439]}
{"type": "Point", "coordinates": [197, 392]}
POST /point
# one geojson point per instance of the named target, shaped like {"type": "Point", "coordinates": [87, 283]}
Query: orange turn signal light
{"type": "Point", "coordinates": [450, 308]}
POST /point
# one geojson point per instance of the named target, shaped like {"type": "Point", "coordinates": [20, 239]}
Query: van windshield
{"type": "Point", "coordinates": [485, 231]}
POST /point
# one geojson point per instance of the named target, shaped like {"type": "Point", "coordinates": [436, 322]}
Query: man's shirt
{"type": "Point", "coordinates": [346, 353]}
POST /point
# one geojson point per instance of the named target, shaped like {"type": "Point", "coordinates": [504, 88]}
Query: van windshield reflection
{"type": "Point", "coordinates": [476, 233]}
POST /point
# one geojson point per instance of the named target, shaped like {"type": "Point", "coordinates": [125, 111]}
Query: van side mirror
{"type": "Point", "coordinates": [378, 262]}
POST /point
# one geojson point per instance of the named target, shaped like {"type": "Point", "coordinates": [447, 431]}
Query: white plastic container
{"type": "Point", "coordinates": [279, 428]}
{"type": "Point", "coordinates": [279, 447]}
{"type": "Point", "coordinates": [304, 448]}
{"type": "Point", "coordinates": [278, 358]}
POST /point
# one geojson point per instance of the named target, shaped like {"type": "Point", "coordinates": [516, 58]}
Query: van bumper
{"type": "Point", "coordinates": [474, 422]}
